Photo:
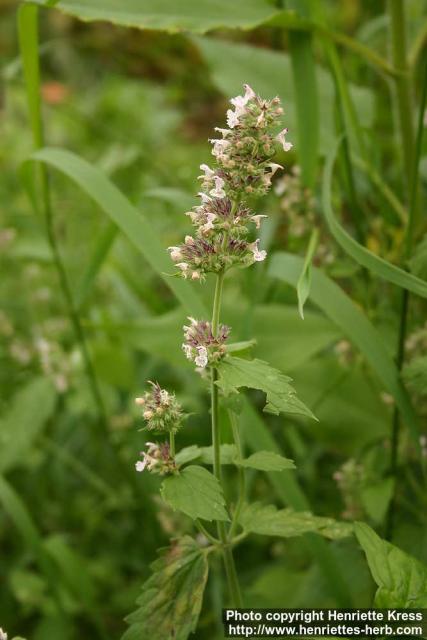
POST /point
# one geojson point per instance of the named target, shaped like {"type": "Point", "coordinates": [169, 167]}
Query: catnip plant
{"type": "Point", "coordinates": [222, 240]}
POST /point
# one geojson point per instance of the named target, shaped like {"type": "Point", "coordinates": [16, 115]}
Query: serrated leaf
{"type": "Point", "coordinates": [171, 599]}
{"type": "Point", "coordinates": [198, 16]}
{"type": "Point", "coordinates": [267, 520]}
{"type": "Point", "coordinates": [195, 492]}
{"type": "Point", "coordinates": [28, 413]}
{"type": "Point", "coordinates": [257, 374]}
{"type": "Point", "coordinates": [401, 579]}
{"type": "Point", "coordinates": [267, 461]}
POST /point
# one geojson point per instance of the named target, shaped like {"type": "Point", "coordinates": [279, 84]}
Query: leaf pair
{"type": "Point", "coordinates": [197, 493]}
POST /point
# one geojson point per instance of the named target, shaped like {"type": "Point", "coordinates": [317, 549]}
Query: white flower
{"type": "Point", "coordinates": [223, 132]}
{"type": "Point", "coordinates": [259, 256]}
{"type": "Point", "coordinates": [274, 166]}
{"type": "Point", "coordinates": [195, 275]}
{"type": "Point", "coordinates": [241, 101]}
{"type": "Point", "coordinates": [3, 635]}
{"type": "Point", "coordinates": [287, 146]}
{"type": "Point", "coordinates": [187, 350]}
{"type": "Point", "coordinates": [208, 172]}
{"type": "Point", "coordinates": [164, 396]}
{"type": "Point", "coordinates": [232, 118]}
{"type": "Point", "coordinates": [184, 267]}
{"type": "Point", "coordinates": [204, 197]}
{"type": "Point", "coordinates": [188, 240]}
{"type": "Point", "coordinates": [218, 191]}
{"type": "Point", "coordinates": [139, 466]}
{"type": "Point", "coordinates": [202, 359]}
{"type": "Point", "coordinates": [219, 146]}
{"type": "Point", "coordinates": [257, 219]}
{"type": "Point", "coordinates": [175, 255]}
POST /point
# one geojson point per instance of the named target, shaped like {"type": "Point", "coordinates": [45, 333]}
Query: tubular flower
{"type": "Point", "coordinates": [201, 346]}
{"type": "Point", "coordinates": [156, 459]}
{"type": "Point", "coordinates": [160, 410]}
{"type": "Point", "coordinates": [243, 166]}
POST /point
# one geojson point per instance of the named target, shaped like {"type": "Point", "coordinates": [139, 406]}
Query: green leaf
{"type": "Point", "coordinates": [30, 409]}
{"type": "Point", "coordinates": [355, 325]}
{"type": "Point", "coordinates": [171, 599]}
{"type": "Point", "coordinates": [195, 492]}
{"type": "Point", "coordinates": [205, 454]}
{"type": "Point", "coordinates": [304, 281]}
{"type": "Point", "coordinates": [376, 498]}
{"type": "Point", "coordinates": [267, 461]}
{"type": "Point", "coordinates": [240, 347]}
{"type": "Point", "coordinates": [129, 220]}
{"type": "Point", "coordinates": [257, 374]}
{"type": "Point", "coordinates": [401, 579]}
{"type": "Point", "coordinates": [358, 252]}
{"type": "Point", "coordinates": [267, 520]}
{"type": "Point", "coordinates": [198, 16]}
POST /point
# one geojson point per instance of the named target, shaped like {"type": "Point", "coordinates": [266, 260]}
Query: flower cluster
{"type": "Point", "coordinates": [161, 411]}
{"type": "Point", "coordinates": [157, 459]}
{"type": "Point", "coordinates": [201, 346]}
{"type": "Point", "coordinates": [198, 256]}
{"type": "Point", "coordinates": [243, 168]}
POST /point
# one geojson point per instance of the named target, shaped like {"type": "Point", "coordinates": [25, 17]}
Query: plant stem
{"type": "Point", "coordinates": [402, 83]}
{"type": "Point", "coordinates": [28, 32]}
{"type": "Point", "coordinates": [242, 475]}
{"type": "Point", "coordinates": [411, 157]}
{"type": "Point", "coordinates": [230, 569]}
{"type": "Point", "coordinates": [171, 444]}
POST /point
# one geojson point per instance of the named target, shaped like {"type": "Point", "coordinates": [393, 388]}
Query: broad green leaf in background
{"type": "Point", "coordinates": [195, 492]}
{"type": "Point", "coordinates": [376, 498]}
{"type": "Point", "coordinates": [198, 16]}
{"type": "Point", "coordinates": [267, 461]}
{"type": "Point", "coordinates": [129, 220]}
{"type": "Point", "coordinates": [401, 579]}
{"type": "Point", "coordinates": [270, 73]}
{"type": "Point", "coordinates": [171, 599]}
{"type": "Point", "coordinates": [29, 411]}
{"type": "Point", "coordinates": [162, 335]}
{"type": "Point", "coordinates": [257, 374]}
{"type": "Point", "coordinates": [267, 520]}
{"type": "Point", "coordinates": [355, 325]}
{"type": "Point", "coordinates": [358, 252]}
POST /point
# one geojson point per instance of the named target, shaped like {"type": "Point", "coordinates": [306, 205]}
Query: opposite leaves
{"type": "Point", "coordinates": [171, 599]}
{"type": "Point", "coordinates": [401, 579]}
{"type": "Point", "coordinates": [257, 374]}
{"type": "Point", "coordinates": [195, 492]}
{"type": "Point", "coordinates": [285, 523]}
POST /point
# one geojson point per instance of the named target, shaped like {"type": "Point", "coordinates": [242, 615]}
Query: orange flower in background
{"type": "Point", "coordinates": [55, 92]}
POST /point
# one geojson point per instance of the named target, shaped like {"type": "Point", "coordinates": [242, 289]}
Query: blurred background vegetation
{"type": "Point", "coordinates": [79, 527]}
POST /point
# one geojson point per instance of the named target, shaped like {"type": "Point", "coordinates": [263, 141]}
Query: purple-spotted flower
{"type": "Point", "coordinates": [243, 167]}
{"type": "Point", "coordinates": [156, 459]}
{"type": "Point", "coordinates": [160, 410]}
{"type": "Point", "coordinates": [201, 346]}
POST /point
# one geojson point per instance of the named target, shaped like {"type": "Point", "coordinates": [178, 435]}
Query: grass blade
{"type": "Point", "coordinates": [358, 252]}
{"type": "Point", "coordinates": [304, 281]}
{"type": "Point", "coordinates": [307, 103]}
{"type": "Point", "coordinates": [354, 324]}
{"type": "Point", "coordinates": [127, 218]}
